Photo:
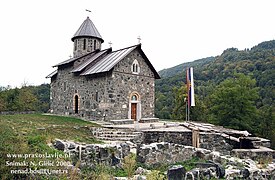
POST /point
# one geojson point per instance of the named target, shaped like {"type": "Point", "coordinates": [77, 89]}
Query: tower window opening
{"type": "Point", "coordinates": [84, 44]}
{"type": "Point", "coordinates": [94, 44]}
{"type": "Point", "coordinates": [75, 45]}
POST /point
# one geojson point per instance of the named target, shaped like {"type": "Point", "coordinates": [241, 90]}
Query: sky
{"type": "Point", "coordinates": [35, 35]}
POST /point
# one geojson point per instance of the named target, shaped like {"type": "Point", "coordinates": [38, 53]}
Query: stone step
{"type": "Point", "coordinates": [122, 121]}
{"type": "Point", "coordinates": [114, 134]}
{"type": "Point", "coordinates": [128, 137]}
{"type": "Point", "coordinates": [148, 120]}
{"type": "Point", "coordinates": [114, 139]}
{"type": "Point", "coordinates": [117, 133]}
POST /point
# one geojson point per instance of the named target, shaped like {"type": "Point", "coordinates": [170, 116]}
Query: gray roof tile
{"type": "Point", "coordinates": [109, 61]}
{"type": "Point", "coordinates": [89, 61]}
{"type": "Point", "coordinates": [87, 28]}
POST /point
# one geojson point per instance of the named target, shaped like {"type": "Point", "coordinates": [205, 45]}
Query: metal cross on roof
{"type": "Point", "coordinates": [110, 44]}
{"type": "Point", "coordinates": [138, 39]}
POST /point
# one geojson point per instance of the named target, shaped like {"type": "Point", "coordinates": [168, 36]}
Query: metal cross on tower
{"type": "Point", "coordinates": [138, 39]}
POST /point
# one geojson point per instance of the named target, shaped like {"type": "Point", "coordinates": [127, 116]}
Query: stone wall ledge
{"type": "Point", "coordinates": [122, 121]}
{"type": "Point", "coordinates": [148, 120]}
{"type": "Point", "coordinates": [254, 154]}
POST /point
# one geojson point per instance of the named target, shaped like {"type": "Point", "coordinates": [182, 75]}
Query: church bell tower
{"type": "Point", "coordinates": [86, 39]}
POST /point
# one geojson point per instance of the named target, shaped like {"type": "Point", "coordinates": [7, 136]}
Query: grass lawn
{"type": "Point", "coordinates": [30, 134]}
{"type": "Point", "coordinates": [52, 127]}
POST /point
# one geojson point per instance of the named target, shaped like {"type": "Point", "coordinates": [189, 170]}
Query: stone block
{"type": "Point", "coordinates": [59, 145]}
{"type": "Point", "coordinates": [176, 172]}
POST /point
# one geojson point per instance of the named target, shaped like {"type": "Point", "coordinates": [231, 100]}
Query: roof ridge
{"type": "Point", "coordinates": [127, 47]}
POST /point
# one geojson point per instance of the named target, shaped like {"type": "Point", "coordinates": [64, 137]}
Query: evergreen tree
{"type": "Point", "coordinates": [233, 102]}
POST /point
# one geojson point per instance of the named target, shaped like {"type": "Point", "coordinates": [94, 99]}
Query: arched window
{"type": "Point", "coordinates": [134, 98]}
{"type": "Point", "coordinates": [135, 67]}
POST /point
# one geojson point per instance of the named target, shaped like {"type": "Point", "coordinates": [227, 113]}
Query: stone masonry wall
{"type": "Point", "coordinates": [215, 142]}
{"type": "Point", "coordinates": [164, 153]}
{"type": "Point", "coordinates": [177, 137]}
{"type": "Point", "coordinates": [125, 83]}
{"type": "Point", "coordinates": [92, 154]}
{"type": "Point", "coordinates": [210, 141]}
{"type": "Point", "coordinates": [105, 96]}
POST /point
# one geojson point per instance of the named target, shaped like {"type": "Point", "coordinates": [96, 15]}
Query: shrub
{"type": "Point", "coordinates": [129, 164]}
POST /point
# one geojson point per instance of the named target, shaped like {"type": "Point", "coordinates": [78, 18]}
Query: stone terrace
{"type": "Point", "coordinates": [200, 135]}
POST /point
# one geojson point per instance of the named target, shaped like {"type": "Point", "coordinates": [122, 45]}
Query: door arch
{"type": "Point", "coordinates": [134, 106]}
{"type": "Point", "coordinates": [76, 104]}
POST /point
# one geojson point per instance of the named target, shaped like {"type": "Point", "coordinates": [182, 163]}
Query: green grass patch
{"type": "Point", "coordinates": [50, 126]}
{"type": "Point", "coordinates": [30, 134]}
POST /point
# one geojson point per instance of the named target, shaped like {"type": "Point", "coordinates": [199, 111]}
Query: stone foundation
{"type": "Point", "coordinates": [210, 141]}
{"type": "Point", "coordinates": [177, 137]}
{"type": "Point", "coordinates": [216, 142]}
{"type": "Point", "coordinates": [166, 153]}
{"type": "Point", "coordinates": [262, 153]}
{"type": "Point", "coordinates": [92, 154]}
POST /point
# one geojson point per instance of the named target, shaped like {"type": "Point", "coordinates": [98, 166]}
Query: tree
{"type": "Point", "coordinates": [197, 113]}
{"type": "Point", "coordinates": [2, 103]}
{"type": "Point", "coordinates": [266, 123]}
{"type": "Point", "coordinates": [12, 103]}
{"type": "Point", "coordinates": [26, 100]}
{"type": "Point", "coordinates": [179, 110]}
{"type": "Point", "coordinates": [233, 102]}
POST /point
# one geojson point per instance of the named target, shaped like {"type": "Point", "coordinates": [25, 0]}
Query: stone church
{"type": "Point", "coordinates": [103, 84]}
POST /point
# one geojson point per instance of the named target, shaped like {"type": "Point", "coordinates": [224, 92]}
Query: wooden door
{"type": "Point", "coordinates": [134, 111]}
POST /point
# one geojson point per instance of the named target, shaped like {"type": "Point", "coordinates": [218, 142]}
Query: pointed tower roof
{"type": "Point", "coordinates": [87, 29]}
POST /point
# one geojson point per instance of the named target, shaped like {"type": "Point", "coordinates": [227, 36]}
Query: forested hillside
{"type": "Point", "coordinates": [26, 98]}
{"type": "Point", "coordinates": [223, 78]}
{"type": "Point", "coordinates": [180, 68]}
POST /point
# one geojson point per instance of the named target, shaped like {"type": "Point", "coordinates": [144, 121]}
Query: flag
{"type": "Point", "coordinates": [190, 87]}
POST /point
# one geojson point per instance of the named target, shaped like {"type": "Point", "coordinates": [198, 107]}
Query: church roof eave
{"type": "Point", "coordinates": [52, 74]}
{"type": "Point", "coordinates": [72, 59]}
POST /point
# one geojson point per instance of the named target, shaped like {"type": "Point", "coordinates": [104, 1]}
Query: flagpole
{"type": "Point", "coordinates": [186, 111]}
{"type": "Point", "coordinates": [190, 91]}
